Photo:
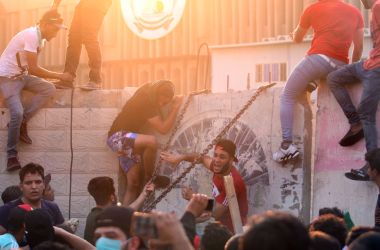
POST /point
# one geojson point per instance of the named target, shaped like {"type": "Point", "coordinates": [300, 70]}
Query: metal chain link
{"type": "Point", "coordinates": [222, 133]}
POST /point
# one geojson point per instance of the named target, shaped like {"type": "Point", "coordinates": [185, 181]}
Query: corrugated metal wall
{"type": "Point", "coordinates": [130, 60]}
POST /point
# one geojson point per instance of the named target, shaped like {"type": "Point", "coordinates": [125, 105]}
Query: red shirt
{"type": "Point", "coordinates": [219, 193]}
{"type": "Point", "coordinates": [334, 23]}
{"type": "Point", "coordinates": [374, 56]}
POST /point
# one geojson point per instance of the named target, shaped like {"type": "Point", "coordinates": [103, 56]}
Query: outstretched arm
{"type": "Point", "coordinates": [164, 126]}
{"type": "Point", "coordinates": [75, 241]}
{"type": "Point", "coordinates": [175, 159]}
{"type": "Point", "coordinates": [138, 203]}
{"type": "Point", "coordinates": [36, 70]}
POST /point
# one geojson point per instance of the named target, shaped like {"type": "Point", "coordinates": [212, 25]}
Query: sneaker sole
{"type": "Point", "coordinates": [89, 88]}
{"type": "Point", "coordinates": [289, 157]}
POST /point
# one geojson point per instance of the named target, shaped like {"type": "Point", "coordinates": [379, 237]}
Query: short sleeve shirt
{"type": "Point", "coordinates": [26, 40]}
{"type": "Point", "coordinates": [220, 195]}
{"type": "Point", "coordinates": [374, 56]}
{"type": "Point", "coordinates": [135, 112]}
{"type": "Point", "coordinates": [51, 208]}
{"type": "Point", "coordinates": [334, 23]}
{"type": "Point", "coordinates": [90, 224]}
{"type": "Point", "coordinates": [8, 242]}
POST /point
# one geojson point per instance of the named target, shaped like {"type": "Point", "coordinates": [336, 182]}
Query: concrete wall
{"type": "Point", "coordinates": [270, 185]}
{"type": "Point", "coordinates": [331, 188]}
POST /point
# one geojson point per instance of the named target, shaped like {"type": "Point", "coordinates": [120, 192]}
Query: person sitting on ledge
{"type": "Point", "coordinates": [19, 70]}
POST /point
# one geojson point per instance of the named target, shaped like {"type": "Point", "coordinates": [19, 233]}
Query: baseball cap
{"type": "Point", "coordinates": [54, 18]}
{"type": "Point", "coordinates": [38, 227]}
{"type": "Point", "coordinates": [228, 146]}
{"type": "Point", "coordinates": [119, 217]}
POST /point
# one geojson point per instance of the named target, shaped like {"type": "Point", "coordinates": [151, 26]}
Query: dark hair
{"type": "Point", "coordinates": [51, 245]}
{"type": "Point", "coordinates": [233, 242]}
{"type": "Point", "coordinates": [52, 17]}
{"type": "Point", "coordinates": [323, 241]}
{"type": "Point", "coordinates": [31, 168]}
{"type": "Point", "coordinates": [359, 230]}
{"type": "Point", "coordinates": [11, 193]}
{"type": "Point", "coordinates": [228, 146]}
{"type": "Point", "coordinates": [215, 236]}
{"type": "Point", "coordinates": [101, 188]}
{"type": "Point", "coordinates": [331, 210]}
{"type": "Point", "coordinates": [276, 230]}
{"type": "Point", "coordinates": [332, 225]}
{"type": "Point", "coordinates": [367, 241]}
{"type": "Point", "coordinates": [373, 158]}
{"type": "Point", "coordinates": [16, 219]}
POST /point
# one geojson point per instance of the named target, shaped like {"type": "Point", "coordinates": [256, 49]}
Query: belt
{"type": "Point", "coordinates": [328, 60]}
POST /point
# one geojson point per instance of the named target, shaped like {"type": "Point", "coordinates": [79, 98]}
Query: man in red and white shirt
{"type": "Point", "coordinates": [221, 164]}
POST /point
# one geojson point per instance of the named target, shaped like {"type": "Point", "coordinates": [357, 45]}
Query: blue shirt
{"type": "Point", "coordinates": [7, 242]}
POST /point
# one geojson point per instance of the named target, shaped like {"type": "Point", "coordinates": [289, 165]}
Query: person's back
{"type": "Point", "coordinates": [334, 23]}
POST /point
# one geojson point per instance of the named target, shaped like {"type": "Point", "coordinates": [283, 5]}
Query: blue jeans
{"type": "Point", "coordinates": [311, 68]}
{"type": "Point", "coordinates": [11, 91]}
{"type": "Point", "coordinates": [366, 111]}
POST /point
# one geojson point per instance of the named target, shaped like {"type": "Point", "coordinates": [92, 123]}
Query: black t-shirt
{"type": "Point", "coordinates": [135, 112]}
{"type": "Point", "coordinates": [50, 207]}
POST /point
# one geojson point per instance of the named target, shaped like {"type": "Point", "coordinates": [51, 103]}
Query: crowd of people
{"type": "Point", "coordinates": [30, 219]}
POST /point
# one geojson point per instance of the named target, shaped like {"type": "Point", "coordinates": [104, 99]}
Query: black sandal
{"type": "Point", "coordinates": [357, 175]}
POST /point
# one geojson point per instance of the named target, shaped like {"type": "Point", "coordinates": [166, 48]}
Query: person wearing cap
{"type": "Point", "coordinates": [16, 229]}
{"type": "Point", "coordinates": [133, 146]}
{"type": "Point", "coordinates": [19, 70]}
{"type": "Point", "coordinates": [32, 186]}
{"type": "Point", "coordinates": [221, 164]}
{"type": "Point", "coordinates": [336, 26]}
{"type": "Point", "coordinates": [84, 29]}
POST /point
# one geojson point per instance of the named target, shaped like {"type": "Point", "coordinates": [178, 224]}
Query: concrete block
{"type": "Point", "coordinates": [47, 140]}
{"type": "Point", "coordinates": [90, 140]}
{"type": "Point", "coordinates": [38, 121]}
{"type": "Point", "coordinates": [57, 118]}
{"type": "Point", "coordinates": [80, 206]}
{"type": "Point", "coordinates": [53, 162]}
{"type": "Point", "coordinates": [63, 204]}
{"type": "Point", "coordinates": [102, 118]}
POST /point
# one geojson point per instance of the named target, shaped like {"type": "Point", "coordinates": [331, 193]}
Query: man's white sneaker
{"type": "Point", "coordinates": [286, 154]}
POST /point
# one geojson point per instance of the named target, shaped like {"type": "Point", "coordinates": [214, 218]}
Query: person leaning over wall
{"type": "Point", "coordinates": [137, 150]}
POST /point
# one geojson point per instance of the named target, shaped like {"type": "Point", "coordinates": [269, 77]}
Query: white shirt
{"type": "Point", "coordinates": [26, 40]}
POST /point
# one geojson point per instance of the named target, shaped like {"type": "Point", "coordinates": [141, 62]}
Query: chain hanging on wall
{"type": "Point", "coordinates": [222, 133]}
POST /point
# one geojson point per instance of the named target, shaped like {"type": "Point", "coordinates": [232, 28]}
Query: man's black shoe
{"type": "Point", "coordinates": [13, 164]}
{"type": "Point", "coordinates": [161, 181]}
{"type": "Point", "coordinates": [351, 138]}
{"type": "Point", "coordinates": [357, 175]}
{"type": "Point", "coordinates": [24, 137]}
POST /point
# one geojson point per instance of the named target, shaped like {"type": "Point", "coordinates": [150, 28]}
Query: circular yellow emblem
{"type": "Point", "coordinates": [152, 19]}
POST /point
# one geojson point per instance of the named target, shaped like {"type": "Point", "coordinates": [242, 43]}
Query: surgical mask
{"type": "Point", "coordinates": [104, 243]}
